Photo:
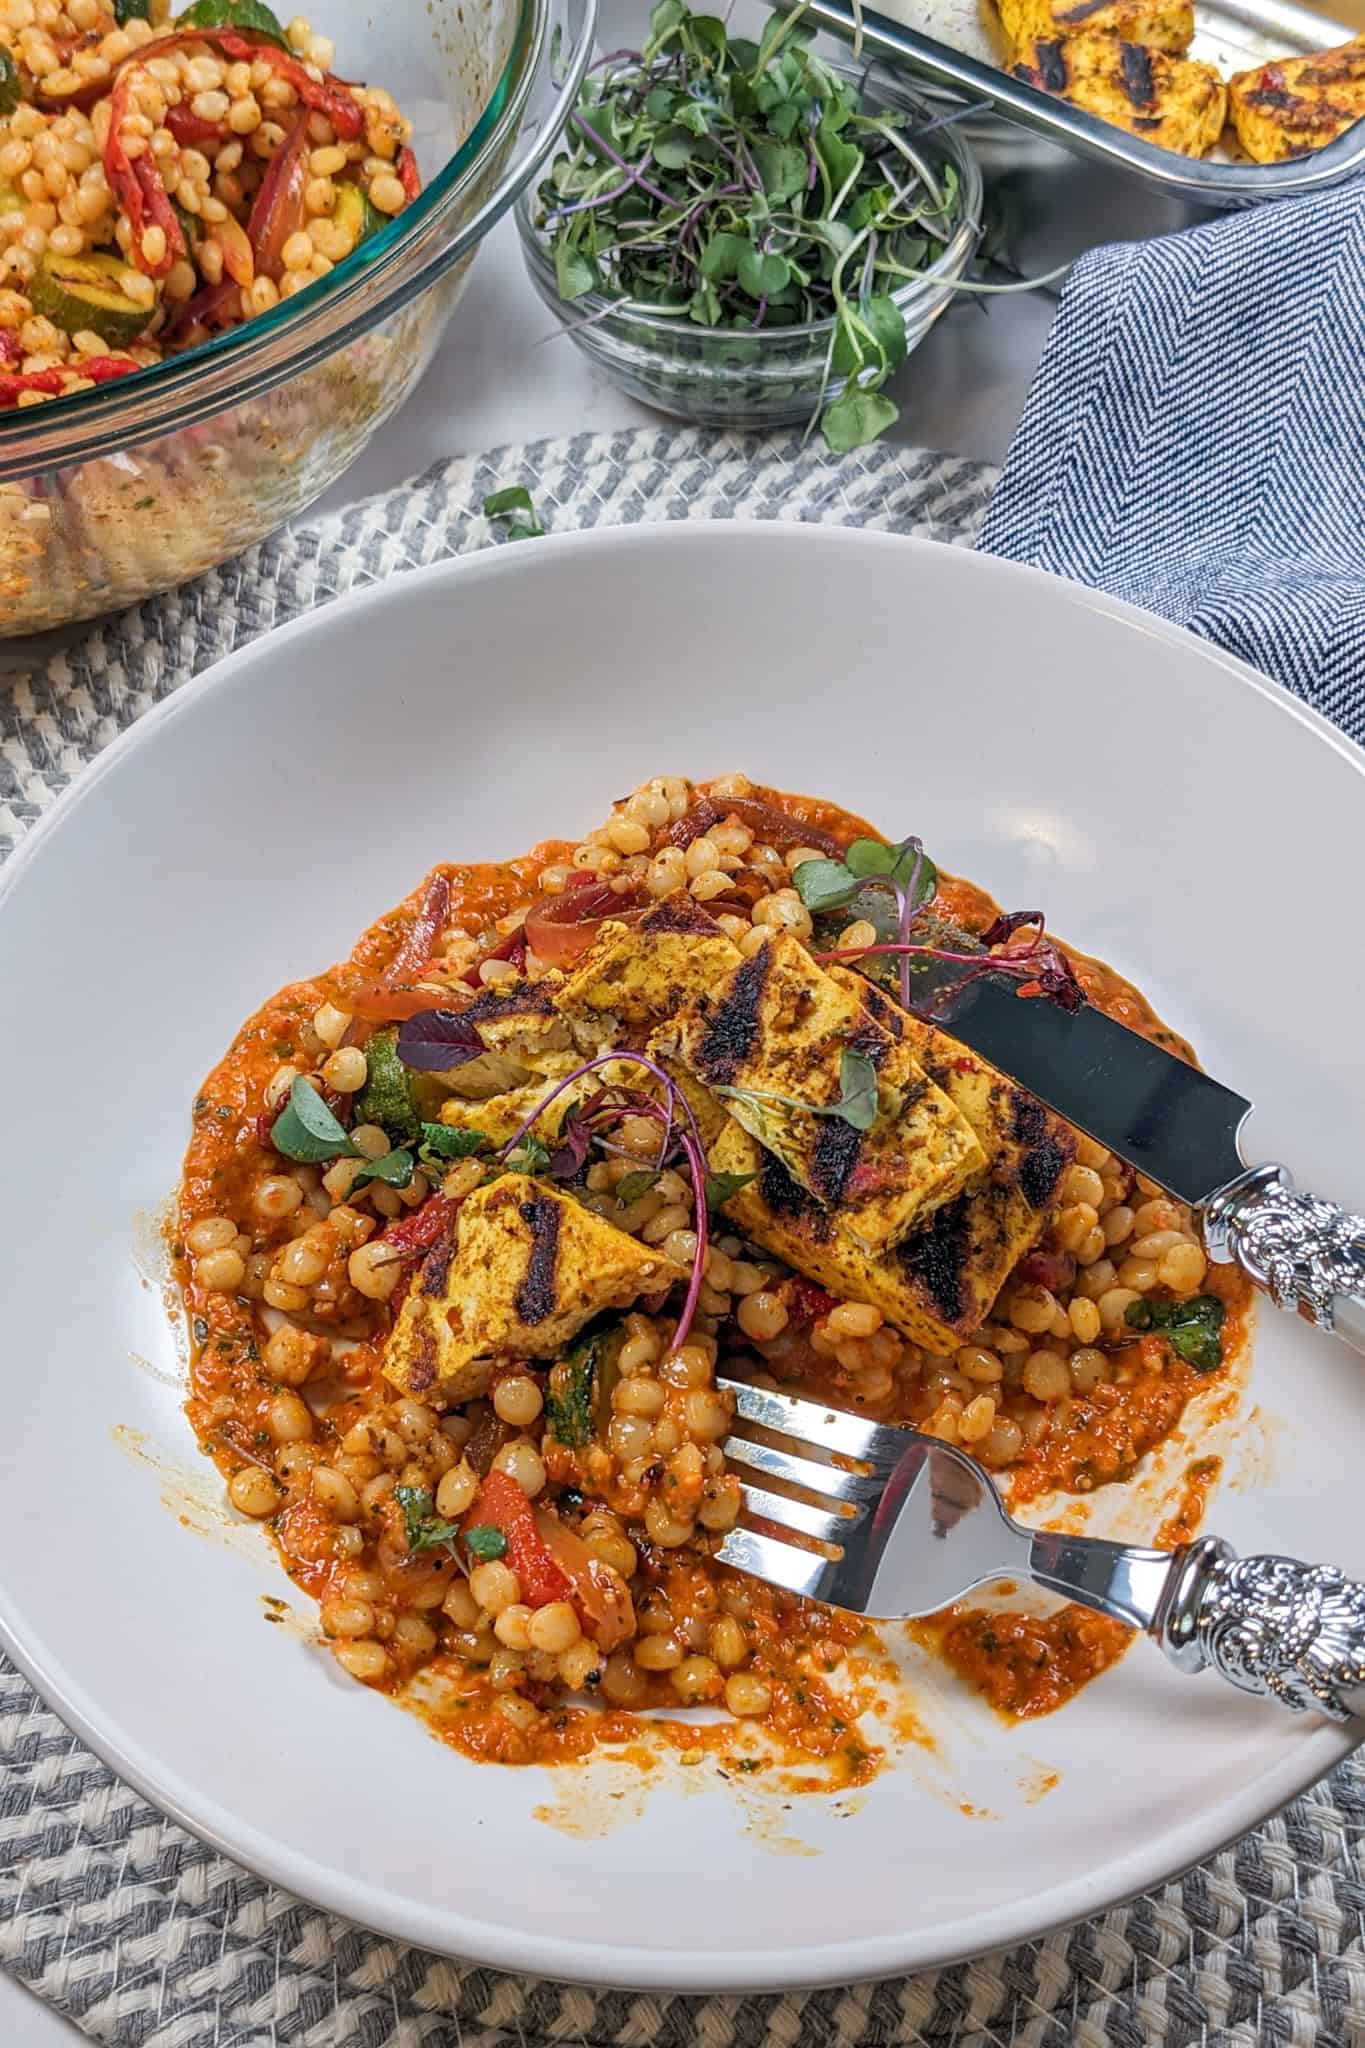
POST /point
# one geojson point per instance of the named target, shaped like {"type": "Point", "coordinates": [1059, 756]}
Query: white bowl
{"type": "Point", "coordinates": [1174, 814]}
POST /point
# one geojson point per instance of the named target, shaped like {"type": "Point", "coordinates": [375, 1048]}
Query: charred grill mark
{"type": "Point", "coordinates": [1052, 66]}
{"type": "Point", "coordinates": [1071, 15]}
{"type": "Point", "coordinates": [1135, 64]}
{"type": "Point", "coordinates": [732, 1026]}
{"type": "Point", "coordinates": [937, 1258]}
{"type": "Point", "coordinates": [786, 1198]}
{"type": "Point", "coordinates": [1029, 1119]}
{"type": "Point", "coordinates": [529, 999]}
{"type": "Point", "coordinates": [869, 1038]}
{"type": "Point", "coordinates": [886, 1013]}
{"type": "Point", "coordinates": [1040, 1170]}
{"type": "Point", "coordinates": [435, 1267]}
{"type": "Point", "coordinates": [422, 1371]}
{"type": "Point", "coordinates": [833, 1158]}
{"type": "Point", "coordinates": [680, 914]}
{"type": "Point", "coordinates": [1146, 121]}
{"type": "Point", "coordinates": [535, 1298]}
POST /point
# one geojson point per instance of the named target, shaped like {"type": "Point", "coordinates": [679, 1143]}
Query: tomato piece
{"type": "Point", "coordinates": [408, 174]}
{"type": "Point", "coordinates": [423, 932]}
{"type": "Point", "coordinates": [424, 1227]}
{"type": "Point", "coordinates": [600, 1594]}
{"type": "Point", "coordinates": [501, 1504]}
{"type": "Point", "coordinates": [278, 210]}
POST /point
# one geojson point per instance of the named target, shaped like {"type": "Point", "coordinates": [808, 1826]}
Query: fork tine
{"type": "Point", "coordinates": [827, 1480]}
{"type": "Point", "coordinates": [812, 1422]}
{"type": "Point", "coordinates": [781, 1564]}
{"type": "Point", "coordinates": [827, 1524]}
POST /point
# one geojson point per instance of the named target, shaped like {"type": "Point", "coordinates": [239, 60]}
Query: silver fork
{"type": "Point", "coordinates": [906, 1525]}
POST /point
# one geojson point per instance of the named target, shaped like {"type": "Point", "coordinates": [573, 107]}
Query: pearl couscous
{"type": "Point", "coordinates": [466, 1253]}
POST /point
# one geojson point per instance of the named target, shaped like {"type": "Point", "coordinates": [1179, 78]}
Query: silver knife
{"type": "Point", "coordinates": [1179, 1127]}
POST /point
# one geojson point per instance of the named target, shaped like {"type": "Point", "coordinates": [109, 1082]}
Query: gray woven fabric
{"type": "Point", "coordinates": [149, 1940]}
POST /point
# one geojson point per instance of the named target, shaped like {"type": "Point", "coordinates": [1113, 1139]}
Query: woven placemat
{"type": "Point", "coordinates": [147, 1939]}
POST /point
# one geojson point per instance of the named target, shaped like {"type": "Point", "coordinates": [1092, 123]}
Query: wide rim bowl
{"type": "Point", "coordinates": [1246, 1759]}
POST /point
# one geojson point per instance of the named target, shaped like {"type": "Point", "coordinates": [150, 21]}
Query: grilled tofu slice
{"type": "Point", "coordinates": [939, 1284]}
{"type": "Point", "coordinates": [1298, 104]}
{"type": "Point", "coordinates": [1027, 1148]}
{"type": "Point", "coordinates": [528, 1266]}
{"type": "Point", "coordinates": [636, 975]}
{"type": "Point", "coordinates": [780, 1026]}
{"type": "Point", "coordinates": [524, 1035]}
{"type": "Point", "coordinates": [1157, 24]}
{"type": "Point", "coordinates": [1173, 101]}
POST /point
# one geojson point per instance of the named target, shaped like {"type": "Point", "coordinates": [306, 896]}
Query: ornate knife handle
{"type": "Point", "coordinates": [1307, 1254]}
{"type": "Point", "coordinates": [1292, 1632]}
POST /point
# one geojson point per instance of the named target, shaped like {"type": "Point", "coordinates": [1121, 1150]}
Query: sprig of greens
{"type": "Point", "coordinates": [422, 1527]}
{"type": "Point", "coordinates": [743, 185]}
{"type": "Point", "coordinates": [857, 1103]}
{"type": "Point", "coordinates": [306, 1129]}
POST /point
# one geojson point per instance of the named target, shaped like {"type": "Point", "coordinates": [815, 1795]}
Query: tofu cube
{"type": "Point", "coordinates": [638, 974]}
{"type": "Point", "coordinates": [1298, 104]}
{"type": "Point", "coordinates": [1173, 101]}
{"type": "Point", "coordinates": [1159, 24]}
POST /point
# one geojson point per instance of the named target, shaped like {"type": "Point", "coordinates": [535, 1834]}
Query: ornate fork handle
{"type": "Point", "coordinates": [1307, 1253]}
{"type": "Point", "coordinates": [1294, 1632]}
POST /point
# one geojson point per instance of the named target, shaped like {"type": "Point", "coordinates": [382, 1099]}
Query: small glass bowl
{"type": "Point", "coordinates": [749, 377]}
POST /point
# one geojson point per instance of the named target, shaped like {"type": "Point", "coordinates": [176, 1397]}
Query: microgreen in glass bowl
{"type": "Point", "coordinates": [746, 233]}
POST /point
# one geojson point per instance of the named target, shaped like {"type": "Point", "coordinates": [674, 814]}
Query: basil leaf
{"type": "Point", "coordinates": [443, 1141]}
{"type": "Point", "coordinates": [484, 1541]}
{"type": "Point", "coordinates": [395, 1170]}
{"type": "Point", "coordinates": [855, 418]}
{"type": "Point", "coordinates": [435, 1040]}
{"type": "Point", "coordinates": [307, 1131]}
{"type": "Point", "coordinates": [249, 17]}
{"type": "Point", "coordinates": [823, 884]}
{"type": "Point", "coordinates": [720, 1186]}
{"type": "Point", "coordinates": [857, 1103]}
{"type": "Point", "coordinates": [631, 1186]}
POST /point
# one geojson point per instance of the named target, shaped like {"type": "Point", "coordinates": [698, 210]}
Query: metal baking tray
{"type": "Point", "coordinates": [1058, 180]}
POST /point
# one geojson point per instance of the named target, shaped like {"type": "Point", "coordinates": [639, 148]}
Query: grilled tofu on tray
{"type": "Point", "coordinates": [1298, 104]}
{"type": "Point", "coordinates": [1174, 101]}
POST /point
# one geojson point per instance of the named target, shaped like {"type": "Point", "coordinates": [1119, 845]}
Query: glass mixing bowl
{"type": "Point", "coordinates": [114, 494]}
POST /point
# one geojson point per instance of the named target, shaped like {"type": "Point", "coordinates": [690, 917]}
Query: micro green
{"type": "Point", "coordinates": [306, 1129]}
{"type": "Point", "coordinates": [423, 1529]}
{"type": "Point", "coordinates": [515, 512]}
{"type": "Point", "coordinates": [746, 186]}
{"type": "Point", "coordinates": [394, 1170]}
{"type": "Point", "coordinates": [444, 1142]}
{"type": "Point", "coordinates": [484, 1542]}
{"type": "Point", "coordinates": [1193, 1329]}
{"type": "Point", "coordinates": [857, 1102]}
{"type": "Point", "coordinates": [249, 16]}
{"type": "Point", "coordinates": [721, 1186]}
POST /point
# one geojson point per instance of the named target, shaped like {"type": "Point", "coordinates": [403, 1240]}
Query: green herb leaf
{"type": "Point", "coordinates": [720, 257]}
{"type": "Point", "coordinates": [422, 1528]}
{"type": "Point", "coordinates": [529, 1157]}
{"type": "Point", "coordinates": [307, 1131]}
{"type": "Point", "coordinates": [782, 168]}
{"type": "Point", "coordinates": [692, 116]}
{"type": "Point", "coordinates": [484, 1541]}
{"type": "Point", "coordinates": [857, 1090]}
{"type": "Point", "coordinates": [632, 1186]}
{"type": "Point", "coordinates": [887, 322]}
{"type": "Point", "coordinates": [673, 148]}
{"type": "Point", "coordinates": [1193, 1329]}
{"type": "Point", "coordinates": [841, 160]}
{"type": "Point", "coordinates": [132, 10]}
{"type": "Point", "coordinates": [664, 18]}
{"type": "Point", "coordinates": [395, 1170]}
{"type": "Point", "coordinates": [823, 884]}
{"type": "Point", "coordinates": [762, 276]}
{"type": "Point", "coordinates": [855, 418]}
{"type": "Point", "coordinates": [575, 273]}
{"type": "Point", "coordinates": [250, 16]}
{"type": "Point", "coordinates": [708, 33]}
{"type": "Point", "coordinates": [515, 509]}
{"type": "Point", "coordinates": [721, 1186]}
{"type": "Point", "coordinates": [870, 857]}
{"type": "Point", "coordinates": [443, 1141]}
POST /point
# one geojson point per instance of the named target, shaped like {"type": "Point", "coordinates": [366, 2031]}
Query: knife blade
{"type": "Point", "coordinates": [1179, 1126]}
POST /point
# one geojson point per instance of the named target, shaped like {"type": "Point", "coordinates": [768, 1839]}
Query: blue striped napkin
{"type": "Point", "coordinates": [1194, 440]}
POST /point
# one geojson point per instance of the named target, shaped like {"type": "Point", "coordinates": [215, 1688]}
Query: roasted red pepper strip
{"type": "Point", "coordinates": [324, 96]}
{"type": "Point", "coordinates": [501, 1504]}
{"type": "Point", "coordinates": [425, 1227]}
{"type": "Point", "coordinates": [11, 349]}
{"type": "Point", "coordinates": [409, 177]}
{"type": "Point", "coordinates": [189, 130]}
{"type": "Point", "coordinates": [278, 210]}
{"type": "Point", "coordinates": [103, 369]}
{"type": "Point", "coordinates": [214, 305]}
{"type": "Point", "coordinates": [136, 184]}
{"type": "Point", "coordinates": [425, 929]}
{"type": "Point", "coordinates": [512, 948]}
{"type": "Point", "coordinates": [50, 381]}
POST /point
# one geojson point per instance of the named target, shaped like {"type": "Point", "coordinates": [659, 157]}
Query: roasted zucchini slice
{"type": "Point", "coordinates": [77, 293]}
